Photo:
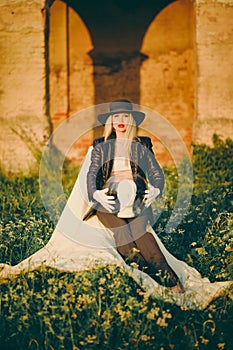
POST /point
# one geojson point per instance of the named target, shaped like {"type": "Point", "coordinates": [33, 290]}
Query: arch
{"type": "Point", "coordinates": [167, 76]}
{"type": "Point", "coordinates": [71, 85]}
{"type": "Point", "coordinates": [147, 71]}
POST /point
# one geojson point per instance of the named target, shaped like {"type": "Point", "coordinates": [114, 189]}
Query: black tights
{"type": "Point", "coordinates": [131, 233]}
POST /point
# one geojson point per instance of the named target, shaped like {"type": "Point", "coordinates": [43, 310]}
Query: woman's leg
{"type": "Point", "coordinates": [158, 267]}
{"type": "Point", "coordinates": [128, 235]}
{"type": "Point", "coordinates": [122, 236]}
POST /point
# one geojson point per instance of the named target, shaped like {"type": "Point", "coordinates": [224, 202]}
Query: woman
{"type": "Point", "coordinates": [123, 180]}
{"type": "Point", "coordinates": [78, 245]}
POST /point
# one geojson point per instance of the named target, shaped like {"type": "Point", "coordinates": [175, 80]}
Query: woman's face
{"type": "Point", "coordinates": [120, 122]}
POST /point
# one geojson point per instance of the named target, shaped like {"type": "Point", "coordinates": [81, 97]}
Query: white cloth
{"type": "Point", "coordinates": [126, 193]}
{"type": "Point", "coordinates": [76, 246]}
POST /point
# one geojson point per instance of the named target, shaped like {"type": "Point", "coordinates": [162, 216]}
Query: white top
{"type": "Point", "coordinates": [121, 169]}
{"type": "Point", "coordinates": [121, 163]}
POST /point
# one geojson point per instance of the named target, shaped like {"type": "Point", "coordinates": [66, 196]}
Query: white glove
{"type": "Point", "coordinates": [150, 195]}
{"type": "Point", "coordinates": [106, 201]}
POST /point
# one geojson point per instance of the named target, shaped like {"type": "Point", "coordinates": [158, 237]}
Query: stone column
{"type": "Point", "coordinates": [214, 70]}
{"type": "Point", "coordinates": [117, 76]}
{"type": "Point", "coordinates": [24, 124]}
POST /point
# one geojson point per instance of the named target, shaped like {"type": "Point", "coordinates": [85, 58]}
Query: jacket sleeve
{"type": "Point", "coordinates": [154, 171]}
{"type": "Point", "coordinates": [94, 171]}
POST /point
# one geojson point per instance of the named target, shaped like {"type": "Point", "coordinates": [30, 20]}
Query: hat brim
{"type": "Point", "coordinates": [138, 116]}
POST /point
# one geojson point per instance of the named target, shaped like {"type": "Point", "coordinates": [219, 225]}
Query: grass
{"type": "Point", "coordinates": [104, 308]}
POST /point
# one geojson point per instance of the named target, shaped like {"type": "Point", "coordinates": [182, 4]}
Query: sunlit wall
{"type": "Point", "coordinates": [76, 85]}
{"type": "Point", "coordinates": [167, 76]}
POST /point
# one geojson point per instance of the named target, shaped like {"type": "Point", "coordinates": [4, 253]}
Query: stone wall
{"type": "Point", "coordinates": [214, 70]}
{"type": "Point", "coordinates": [78, 77]}
{"type": "Point", "coordinates": [22, 72]}
{"type": "Point", "coordinates": [167, 76]}
{"type": "Point", "coordinates": [71, 86]}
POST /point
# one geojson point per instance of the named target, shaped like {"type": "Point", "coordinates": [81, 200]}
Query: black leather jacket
{"type": "Point", "coordinates": [142, 161]}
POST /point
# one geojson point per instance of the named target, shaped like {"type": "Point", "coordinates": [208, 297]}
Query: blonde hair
{"type": "Point", "coordinates": [130, 131]}
{"type": "Point", "coordinates": [108, 128]}
{"type": "Point", "coordinates": [129, 134]}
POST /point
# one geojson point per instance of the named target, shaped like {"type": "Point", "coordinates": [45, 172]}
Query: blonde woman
{"type": "Point", "coordinates": [123, 180]}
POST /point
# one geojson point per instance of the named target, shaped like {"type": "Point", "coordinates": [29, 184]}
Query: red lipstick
{"type": "Point", "coordinates": [121, 125]}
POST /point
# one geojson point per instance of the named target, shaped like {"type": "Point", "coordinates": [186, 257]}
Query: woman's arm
{"type": "Point", "coordinates": [94, 174]}
{"type": "Point", "coordinates": [154, 171]}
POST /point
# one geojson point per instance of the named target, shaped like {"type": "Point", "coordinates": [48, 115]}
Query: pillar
{"type": "Point", "coordinates": [214, 70]}
{"type": "Point", "coordinates": [24, 124]}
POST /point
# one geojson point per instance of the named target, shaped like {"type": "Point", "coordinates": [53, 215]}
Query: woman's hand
{"type": "Point", "coordinates": [150, 195]}
{"type": "Point", "coordinates": [106, 201]}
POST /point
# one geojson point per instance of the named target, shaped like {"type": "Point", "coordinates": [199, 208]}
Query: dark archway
{"type": "Point", "coordinates": [117, 33]}
{"type": "Point", "coordinates": [70, 67]}
{"type": "Point", "coordinates": [117, 29]}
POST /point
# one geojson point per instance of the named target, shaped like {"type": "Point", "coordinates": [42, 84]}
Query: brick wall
{"type": "Point", "coordinates": [214, 64]}
{"type": "Point", "coordinates": [167, 76]}
{"type": "Point", "coordinates": [22, 71]}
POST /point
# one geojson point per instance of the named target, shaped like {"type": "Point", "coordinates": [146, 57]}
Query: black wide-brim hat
{"type": "Point", "coordinates": [122, 106]}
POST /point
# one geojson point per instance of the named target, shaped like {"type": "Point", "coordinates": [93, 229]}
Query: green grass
{"type": "Point", "coordinates": [104, 308]}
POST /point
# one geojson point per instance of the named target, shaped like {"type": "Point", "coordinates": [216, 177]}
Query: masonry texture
{"type": "Point", "coordinates": [167, 76]}
{"type": "Point", "coordinates": [182, 67]}
{"type": "Point", "coordinates": [214, 70]}
{"type": "Point", "coordinates": [22, 102]}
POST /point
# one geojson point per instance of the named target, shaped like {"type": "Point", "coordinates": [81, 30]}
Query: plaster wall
{"type": "Point", "coordinates": [22, 80]}
{"type": "Point", "coordinates": [78, 79]}
{"type": "Point", "coordinates": [167, 76]}
{"type": "Point", "coordinates": [214, 70]}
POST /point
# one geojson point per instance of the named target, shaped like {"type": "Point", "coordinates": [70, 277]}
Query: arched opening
{"type": "Point", "coordinates": [69, 81]}
{"type": "Point", "coordinates": [167, 76]}
{"type": "Point", "coordinates": [155, 71]}
{"type": "Point", "coordinates": [71, 85]}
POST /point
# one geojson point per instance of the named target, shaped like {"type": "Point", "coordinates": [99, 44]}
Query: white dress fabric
{"type": "Point", "coordinates": [76, 245]}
